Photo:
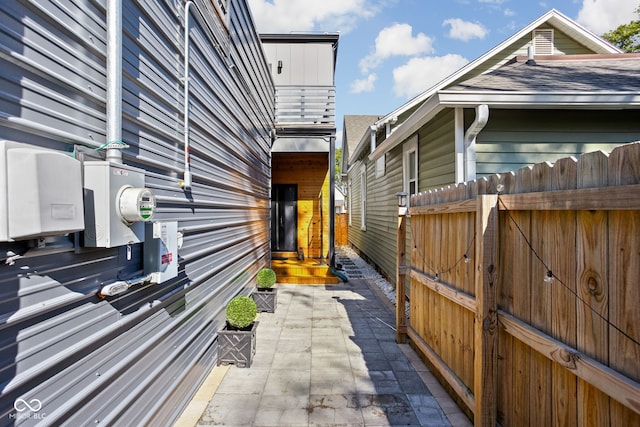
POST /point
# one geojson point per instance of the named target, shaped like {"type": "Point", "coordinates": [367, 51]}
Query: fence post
{"type": "Point", "coordinates": [401, 244]}
{"type": "Point", "coordinates": [486, 324]}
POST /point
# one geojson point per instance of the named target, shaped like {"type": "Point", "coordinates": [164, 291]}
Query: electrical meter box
{"type": "Point", "coordinates": [161, 250]}
{"type": "Point", "coordinates": [116, 204]}
{"type": "Point", "coordinates": [40, 192]}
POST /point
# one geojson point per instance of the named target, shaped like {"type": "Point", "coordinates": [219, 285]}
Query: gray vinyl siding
{"type": "Point", "coordinates": [136, 358]}
{"type": "Point", "coordinates": [355, 235]}
{"type": "Point", "coordinates": [378, 242]}
{"type": "Point", "coordinates": [514, 139]}
{"type": "Point", "coordinates": [436, 168]}
{"type": "Point", "coordinates": [436, 152]}
{"type": "Point", "coordinates": [382, 216]}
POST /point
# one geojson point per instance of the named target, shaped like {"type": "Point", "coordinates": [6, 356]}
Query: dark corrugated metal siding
{"type": "Point", "coordinates": [136, 358]}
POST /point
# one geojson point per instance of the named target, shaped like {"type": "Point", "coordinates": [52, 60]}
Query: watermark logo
{"type": "Point", "coordinates": [27, 409]}
{"type": "Point", "coordinates": [21, 405]}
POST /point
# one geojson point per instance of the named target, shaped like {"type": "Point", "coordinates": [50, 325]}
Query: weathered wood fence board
{"type": "Point", "coordinates": [533, 318]}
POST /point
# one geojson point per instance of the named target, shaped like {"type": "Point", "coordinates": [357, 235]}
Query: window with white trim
{"type": "Point", "coordinates": [381, 166]}
{"type": "Point", "coordinates": [349, 207]}
{"type": "Point", "coordinates": [410, 166]}
{"type": "Point", "coordinates": [363, 197]}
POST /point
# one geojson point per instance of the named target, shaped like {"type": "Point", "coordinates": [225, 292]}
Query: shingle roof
{"type": "Point", "coordinates": [567, 73]}
{"type": "Point", "coordinates": [354, 127]}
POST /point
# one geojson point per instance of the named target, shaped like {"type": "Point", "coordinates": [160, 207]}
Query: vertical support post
{"type": "Point", "coordinates": [401, 312]}
{"type": "Point", "coordinates": [332, 200]}
{"type": "Point", "coordinates": [486, 322]}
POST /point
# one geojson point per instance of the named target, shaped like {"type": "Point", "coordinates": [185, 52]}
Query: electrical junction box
{"type": "Point", "coordinates": [40, 192]}
{"type": "Point", "coordinates": [116, 204]}
{"type": "Point", "coordinates": [161, 250]}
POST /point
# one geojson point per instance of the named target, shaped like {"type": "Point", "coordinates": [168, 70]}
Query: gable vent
{"type": "Point", "coordinates": [543, 42]}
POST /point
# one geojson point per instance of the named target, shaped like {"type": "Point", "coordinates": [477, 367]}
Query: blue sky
{"type": "Point", "coordinates": [392, 50]}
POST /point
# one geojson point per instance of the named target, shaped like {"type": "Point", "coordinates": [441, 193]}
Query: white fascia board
{"type": "Point", "coordinates": [422, 115]}
{"type": "Point", "coordinates": [365, 142]}
{"type": "Point", "coordinates": [555, 18]}
{"type": "Point", "coordinates": [583, 100]}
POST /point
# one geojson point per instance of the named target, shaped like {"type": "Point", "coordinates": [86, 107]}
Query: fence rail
{"type": "Point", "coordinates": [526, 300]}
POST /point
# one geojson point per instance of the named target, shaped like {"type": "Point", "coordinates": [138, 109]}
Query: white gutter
{"type": "Point", "coordinates": [372, 138]}
{"type": "Point", "coordinates": [527, 100]}
{"type": "Point", "coordinates": [482, 116]}
{"type": "Point", "coordinates": [458, 127]}
{"type": "Point", "coordinates": [114, 81]}
{"type": "Point", "coordinates": [584, 100]}
{"type": "Point", "coordinates": [186, 180]}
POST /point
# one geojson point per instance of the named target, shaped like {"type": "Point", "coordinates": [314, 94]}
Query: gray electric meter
{"type": "Point", "coordinates": [135, 204]}
{"type": "Point", "coordinates": [116, 204]}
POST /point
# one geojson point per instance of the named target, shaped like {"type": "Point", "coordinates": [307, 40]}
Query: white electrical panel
{"type": "Point", "coordinates": [161, 250]}
{"type": "Point", "coordinates": [116, 204]}
{"type": "Point", "coordinates": [40, 192]}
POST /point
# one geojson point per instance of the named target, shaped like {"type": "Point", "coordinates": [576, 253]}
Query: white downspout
{"type": "Point", "coordinates": [114, 81]}
{"type": "Point", "coordinates": [186, 180]}
{"type": "Point", "coordinates": [482, 116]}
{"type": "Point", "coordinates": [374, 129]}
{"type": "Point", "coordinates": [459, 144]}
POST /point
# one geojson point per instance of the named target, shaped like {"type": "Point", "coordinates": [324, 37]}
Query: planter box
{"type": "Point", "coordinates": [266, 299]}
{"type": "Point", "coordinates": [237, 347]}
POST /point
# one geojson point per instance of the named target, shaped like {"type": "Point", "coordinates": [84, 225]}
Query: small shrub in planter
{"type": "Point", "coordinates": [241, 312]}
{"type": "Point", "coordinates": [266, 278]}
{"type": "Point", "coordinates": [266, 295]}
{"type": "Point", "coordinates": [238, 339]}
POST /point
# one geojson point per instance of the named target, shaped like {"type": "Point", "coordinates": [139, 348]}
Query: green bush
{"type": "Point", "coordinates": [241, 311]}
{"type": "Point", "coordinates": [266, 278]}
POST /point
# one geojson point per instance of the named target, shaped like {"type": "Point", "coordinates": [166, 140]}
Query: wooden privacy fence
{"type": "Point", "coordinates": [341, 227]}
{"type": "Point", "coordinates": [525, 291]}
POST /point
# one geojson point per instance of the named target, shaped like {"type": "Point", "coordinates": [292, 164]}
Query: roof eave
{"type": "Point", "coordinates": [515, 100]}
{"type": "Point", "coordinates": [422, 115]}
{"type": "Point", "coordinates": [556, 18]}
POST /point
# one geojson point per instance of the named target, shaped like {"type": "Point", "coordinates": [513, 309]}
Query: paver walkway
{"type": "Point", "coordinates": [328, 357]}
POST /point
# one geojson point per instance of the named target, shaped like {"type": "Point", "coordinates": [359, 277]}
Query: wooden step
{"type": "Point", "coordinates": [309, 271]}
{"type": "Point", "coordinates": [284, 255]}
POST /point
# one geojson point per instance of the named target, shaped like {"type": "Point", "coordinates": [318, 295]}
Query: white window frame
{"type": "Point", "coordinates": [363, 197]}
{"type": "Point", "coordinates": [409, 147]}
{"type": "Point", "coordinates": [349, 207]}
{"type": "Point", "coordinates": [381, 166]}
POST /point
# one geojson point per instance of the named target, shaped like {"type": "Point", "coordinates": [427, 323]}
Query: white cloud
{"type": "Point", "coordinates": [284, 16]}
{"type": "Point", "coordinates": [419, 74]}
{"type": "Point", "coordinates": [364, 85]}
{"type": "Point", "coordinates": [509, 12]}
{"type": "Point", "coordinates": [465, 30]}
{"type": "Point", "coordinates": [396, 40]}
{"type": "Point", "coordinates": [601, 16]}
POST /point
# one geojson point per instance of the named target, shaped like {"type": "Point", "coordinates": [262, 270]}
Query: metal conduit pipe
{"type": "Point", "coordinates": [186, 179]}
{"type": "Point", "coordinates": [114, 81]}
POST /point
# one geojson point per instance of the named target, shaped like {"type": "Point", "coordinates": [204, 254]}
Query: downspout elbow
{"type": "Point", "coordinates": [373, 130]}
{"type": "Point", "coordinates": [482, 117]}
